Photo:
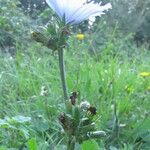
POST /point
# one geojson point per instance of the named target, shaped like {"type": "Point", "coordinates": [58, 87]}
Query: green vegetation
{"type": "Point", "coordinates": [106, 68]}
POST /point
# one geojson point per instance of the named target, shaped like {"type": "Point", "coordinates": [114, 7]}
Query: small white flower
{"type": "Point", "coordinates": [84, 105]}
{"type": "Point", "coordinates": [44, 91]}
{"type": "Point", "coordinates": [76, 11]}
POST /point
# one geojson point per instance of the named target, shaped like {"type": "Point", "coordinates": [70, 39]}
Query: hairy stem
{"type": "Point", "coordinates": [62, 72]}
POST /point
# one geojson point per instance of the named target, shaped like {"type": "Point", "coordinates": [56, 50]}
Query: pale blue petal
{"type": "Point", "coordinates": [62, 6]}
{"type": "Point", "coordinates": [54, 4]}
{"type": "Point", "coordinates": [73, 6]}
{"type": "Point", "coordinates": [76, 11]}
{"type": "Point", "coordinates": [89, 10]}
{"type": "Point", "coordinates": [85, 10]}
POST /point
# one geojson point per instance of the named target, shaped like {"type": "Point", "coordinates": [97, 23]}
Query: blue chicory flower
{"type": "Point", "coordinates": [76, 11]}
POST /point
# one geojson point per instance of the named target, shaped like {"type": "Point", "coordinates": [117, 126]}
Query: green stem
{"type": "Point", "coordinates": [71, 144]}
{"type": "Point", "coordinates": [62, 72]}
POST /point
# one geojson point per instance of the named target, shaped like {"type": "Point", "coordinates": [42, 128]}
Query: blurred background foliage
{"type": "Point", "coordinates": [128, 18]}
{"type": "Point", "coordinates": [14, 26]}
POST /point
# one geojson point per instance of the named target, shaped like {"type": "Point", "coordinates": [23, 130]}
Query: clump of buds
{"type": "Point", "coordinates": [51, 36]}
{"type": "Point", "coordinates": [78, 122]}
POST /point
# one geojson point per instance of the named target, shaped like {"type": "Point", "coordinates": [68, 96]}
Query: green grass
{"type": "Point", "coordinates": [102, 79]}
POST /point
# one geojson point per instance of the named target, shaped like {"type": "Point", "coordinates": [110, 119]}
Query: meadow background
{"type": "Point", "coordinates": [111, 64]}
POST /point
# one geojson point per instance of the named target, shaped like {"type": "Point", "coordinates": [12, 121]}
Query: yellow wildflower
{"type": "Point", "coordinates": [80, 36]}
{"type": "Point", "coordinates": [145, 74]}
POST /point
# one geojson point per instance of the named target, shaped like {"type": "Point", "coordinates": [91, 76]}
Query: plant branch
{"type": "Point", "coordinates": [71, 144]}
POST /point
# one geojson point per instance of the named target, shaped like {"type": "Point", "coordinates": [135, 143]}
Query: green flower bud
{"type": "Point", "coordinates": [96, 134]}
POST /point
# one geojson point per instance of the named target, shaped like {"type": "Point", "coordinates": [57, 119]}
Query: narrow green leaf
{"type": "Point", "coordinates": [32, 145]}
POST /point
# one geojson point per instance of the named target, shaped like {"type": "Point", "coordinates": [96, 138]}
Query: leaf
{"type": "Point", "coordinates": [90, 144]}
{"type": "Point", "coordinates": [32, 145]}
